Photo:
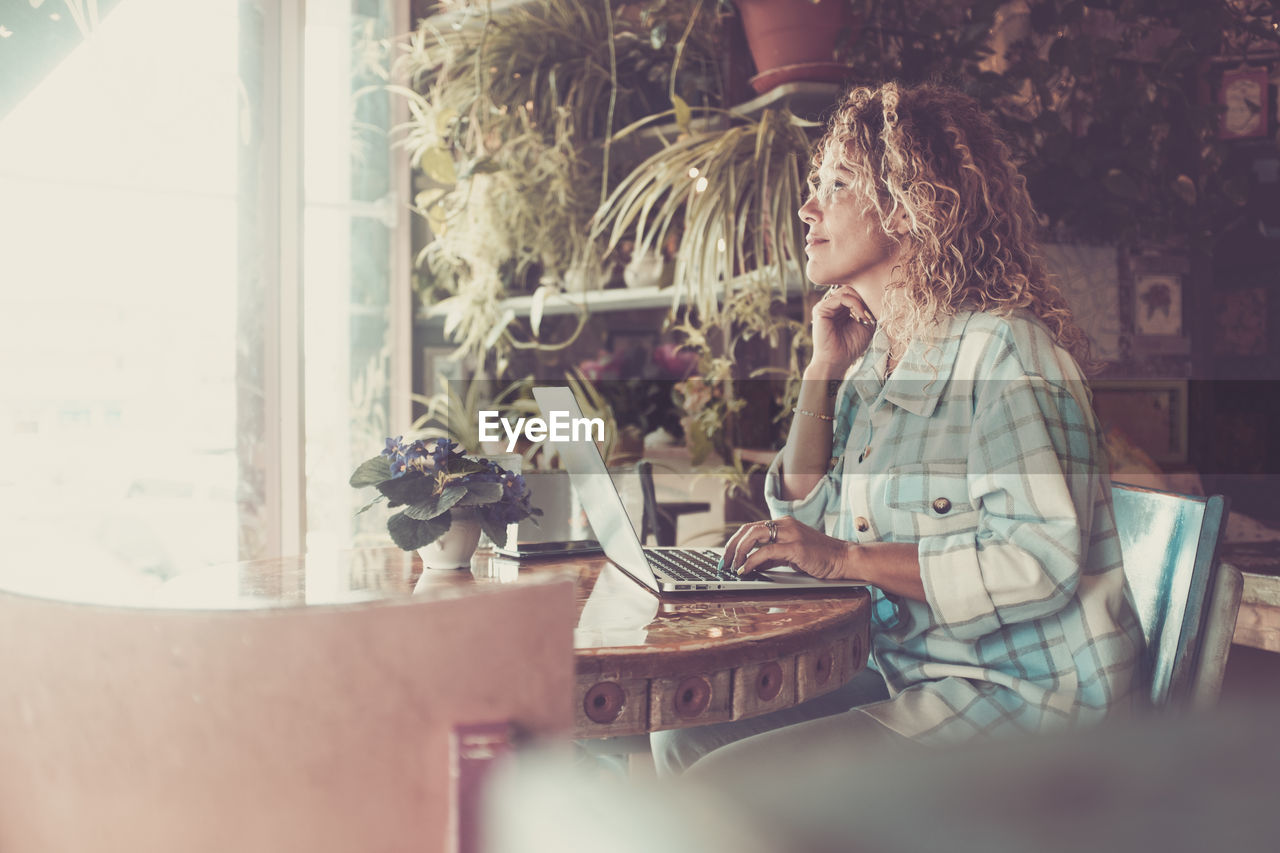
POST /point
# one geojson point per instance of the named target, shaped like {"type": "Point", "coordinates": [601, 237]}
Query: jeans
{"type": "Point", "coordinates": [832, 715]}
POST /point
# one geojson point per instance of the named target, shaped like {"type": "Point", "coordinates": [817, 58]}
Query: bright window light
{"type": "Point", "coordinates": [117, 313]}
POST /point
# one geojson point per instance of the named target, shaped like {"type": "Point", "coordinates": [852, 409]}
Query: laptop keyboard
{"type": "Point", "coordinates": [688, 565]}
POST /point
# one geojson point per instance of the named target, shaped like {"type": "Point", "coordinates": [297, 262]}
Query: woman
{"type": "Point", "coordinates": [943, 449]}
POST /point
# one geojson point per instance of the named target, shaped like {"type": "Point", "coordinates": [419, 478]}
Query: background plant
{"type": "Point", "coordinates": [1108, 104]}
{"type": "Point", "coordinates": [511, 123]}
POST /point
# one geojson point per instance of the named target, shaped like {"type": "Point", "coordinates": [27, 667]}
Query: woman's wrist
{"type": "Point", "coordinates": [849, 561]}
{"type": "Point", "coordinates": [824, 371]}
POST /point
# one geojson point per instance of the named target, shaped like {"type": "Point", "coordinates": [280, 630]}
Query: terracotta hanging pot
{"type": "Point", "coordinates": [793, 40]}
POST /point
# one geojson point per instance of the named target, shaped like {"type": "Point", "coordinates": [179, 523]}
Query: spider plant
{"type": "Point", "coordinates": [454, 411]}
{"type": "Point", "coordinates": [732, 192]}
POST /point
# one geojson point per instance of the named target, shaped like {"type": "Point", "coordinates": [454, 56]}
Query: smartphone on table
{"type": "Point", "coordinates": [555, 548]}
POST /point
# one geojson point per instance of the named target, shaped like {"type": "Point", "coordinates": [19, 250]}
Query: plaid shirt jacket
{"type": "Point", "coordinates": [982, 448]}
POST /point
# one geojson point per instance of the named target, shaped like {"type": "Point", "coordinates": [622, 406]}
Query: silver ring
{"type": "Point", "coordinates": [773, 531]}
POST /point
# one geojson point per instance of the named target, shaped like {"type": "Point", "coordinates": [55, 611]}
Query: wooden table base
{"type": "Point", "coordinates": [610, 703]}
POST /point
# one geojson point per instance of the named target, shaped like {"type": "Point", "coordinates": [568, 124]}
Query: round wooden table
{"type": "Point", "coordinates": [645, 664]}
{"type": "Point", "coordinates": [642, 663]}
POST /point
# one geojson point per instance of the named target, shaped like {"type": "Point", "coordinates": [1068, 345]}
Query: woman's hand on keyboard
{"type": "Point", "coordinates": [796, 545]}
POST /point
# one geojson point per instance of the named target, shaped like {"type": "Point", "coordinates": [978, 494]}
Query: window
{"type": "Point", "coordinates": [167, 401]}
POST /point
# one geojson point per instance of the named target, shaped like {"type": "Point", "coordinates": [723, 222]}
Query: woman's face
{"type": "Point", "coordinates": [844, 244]}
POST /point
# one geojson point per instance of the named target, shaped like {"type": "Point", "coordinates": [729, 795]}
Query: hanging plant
{"type": "Point", "coordinates": [733, 194]}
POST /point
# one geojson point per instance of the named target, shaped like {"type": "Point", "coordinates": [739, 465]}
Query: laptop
{"type": "Point", "coordinates": [662, 569]}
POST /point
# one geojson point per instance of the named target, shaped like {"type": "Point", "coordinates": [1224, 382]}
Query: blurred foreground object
{"type": "Point", "coordinates": [1192, 783]}
{"type": "Point", "coordinates": [304, 727]}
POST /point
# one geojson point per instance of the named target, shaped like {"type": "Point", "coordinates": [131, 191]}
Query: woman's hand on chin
{"type": "Point", "coordinates": [786, 542]}
{"type": "Point", "coordinates": [842, 328]}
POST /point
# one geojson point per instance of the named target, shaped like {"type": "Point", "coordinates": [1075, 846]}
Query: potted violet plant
{"type": "Point", "coordinates": [446, 499]}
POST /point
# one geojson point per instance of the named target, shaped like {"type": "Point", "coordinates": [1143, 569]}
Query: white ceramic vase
{"type": "Point", "coordinates": [455, 548]}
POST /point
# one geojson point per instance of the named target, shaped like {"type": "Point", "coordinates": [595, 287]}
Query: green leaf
{"type": "Point", "coordinates": [496, 531]}
{"type": "Point", "coordinates": [465, 466]}
{"type": "Point", "coordinates": [428, 198]}
{"type": "Point", "coordinates": [1120, 184]}
{"type": "Point", "coordinates": [424, 510]}
{"type": "Point", "coordinates": [438, 165]}
{"type": "Point", "coordinates": [371, 472]}
{"type": "Point", "coordinates": [478, 494]}
{"type": "Point", "coordinates": [481, 166]}
{"type": "Point", "coordinates": [411, 533]}
{"type": "Point", "coordinates": [450, 496]}
{"type": "Point", "coordinates": [505, 320]}
{"type": "Point", "coordinates": [410, 489]}
{"type": "Point", "coordinates": [658, 35]}
{"type": "Point", "coordinates": [455, 312]}
{"type": "Point", "coordinates": [370, 504]}
{"type": "Point", "coordinates": [536, 306]}
{"type": "Point", "coordinates": [683, 114]}
{"type": "Point", "coordinates": [444, 120]}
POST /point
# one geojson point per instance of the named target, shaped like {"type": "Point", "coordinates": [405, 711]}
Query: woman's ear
{"type": "Point", "coordinates": [901, 224]}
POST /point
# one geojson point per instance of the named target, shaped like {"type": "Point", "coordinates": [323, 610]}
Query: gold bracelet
{"type": "Point", "coordinates": [800, 411]}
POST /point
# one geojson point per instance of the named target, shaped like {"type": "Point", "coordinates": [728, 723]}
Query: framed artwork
{"type": "Point", "coordinates": [1158, 304]}
{"type": "Point", "coordinates": [1243, 95]}
{"type": "Point", "coordinates": [1152, 414]}
{"type": "Point", "coordinates": [1158, 320]}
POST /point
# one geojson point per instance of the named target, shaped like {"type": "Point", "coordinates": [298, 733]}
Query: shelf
{"type": "Point", "coordinates": [599, 301]}
{"type": "Point", "coordinates": [617, 299]}
{"type": "Point", "coordinates": [595, 301]}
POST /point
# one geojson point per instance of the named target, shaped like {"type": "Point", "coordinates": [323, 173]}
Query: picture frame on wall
{"type": "Point", "coordinates": [1243, 96]}
{"type": "Point", "coordinates": [1158, 305]}
{"type": "Point", "coordinates": [1159, 325]}
{"type": "Point", "coordinates": [1160, 321]}
{"type": "Point", "coordinates": [1151, 413]}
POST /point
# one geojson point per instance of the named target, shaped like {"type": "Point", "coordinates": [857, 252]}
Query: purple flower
{"type": "Point", "coordinates": [443, 447]}
{"type": "Point", "coordinates": [515, 484]}
{"type": "Point", "coordinates": [425, 456]}
{"type": "Point", "coordinates": [419, 455]}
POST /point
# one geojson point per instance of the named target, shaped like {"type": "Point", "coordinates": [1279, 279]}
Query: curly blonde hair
{"type": "Point", "coordinates": [933, 153]}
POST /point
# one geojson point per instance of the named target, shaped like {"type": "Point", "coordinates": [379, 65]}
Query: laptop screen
{"type": "Point", "coordinates": [594, 487]}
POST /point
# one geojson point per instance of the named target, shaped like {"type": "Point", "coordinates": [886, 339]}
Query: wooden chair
{"type": "Point", "coordinates": [317, 728]}
{"type": "Point", "coordinates": [659, 520]}
{"type": "Point", "coordinates": [1187, 601]}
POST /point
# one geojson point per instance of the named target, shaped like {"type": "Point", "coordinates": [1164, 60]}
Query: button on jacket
{"type": "Point", "coordinates": [982, 448]}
